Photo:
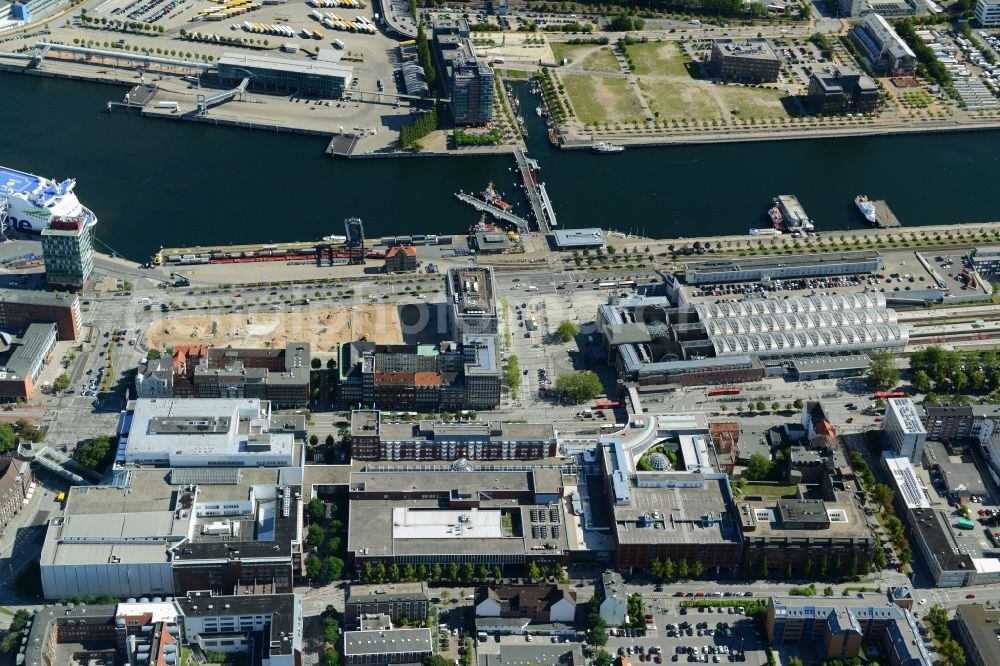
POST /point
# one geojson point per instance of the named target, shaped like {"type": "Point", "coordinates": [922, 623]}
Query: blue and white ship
{"type": "Point", "coordinates": [29, 203]}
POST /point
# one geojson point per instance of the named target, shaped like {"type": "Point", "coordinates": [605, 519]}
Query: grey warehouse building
{"type": "Point", "coordinates": [751, 60]}
{"type": "Point", "coordinates": [754, 269]}
{"type": "Point", "coordinates": [323, 77]}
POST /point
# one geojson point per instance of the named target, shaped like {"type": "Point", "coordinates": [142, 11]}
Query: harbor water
{"type": "Point", "coordinates": [154, 183]}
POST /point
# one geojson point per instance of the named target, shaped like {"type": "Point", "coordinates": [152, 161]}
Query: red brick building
{"type": "Point", "coordinates": [20, 308]}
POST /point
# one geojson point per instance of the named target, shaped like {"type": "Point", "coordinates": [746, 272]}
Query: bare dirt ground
{"type": "Point", "coordinates": [323, 328]}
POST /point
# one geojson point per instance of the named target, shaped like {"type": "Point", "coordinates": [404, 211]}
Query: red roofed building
{"type": "Point", "coordinates": [401, 259]}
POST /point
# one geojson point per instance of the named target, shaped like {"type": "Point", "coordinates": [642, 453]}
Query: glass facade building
{"type": "Point", "coordinates": [69, 254]}
{"type": "Point", "coordinates": [320, 77]}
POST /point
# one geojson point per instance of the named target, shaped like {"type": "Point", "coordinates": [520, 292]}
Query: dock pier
{"type": "Point", "coordinates": [532, 190]}
{"type": "Point", "coordinates": [496, 212]}
{"type": "Point", "coordinates": [884, 216]}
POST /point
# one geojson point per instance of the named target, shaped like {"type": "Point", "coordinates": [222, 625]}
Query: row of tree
{"type": "Point", "coordinates": [425, 59]}
{"type": "Point", "coordinates": [325, 536]}
{"type": "Point", "coordinates": [410, 135]}
{"type": "Point", "coordinates": [667, 570]}
{"type": "Point", "coordinates": [453, 573]}
{"type": "Point", "coordinates": [948, 648]}
{"type": "Point", "coordinates": [929, 64]}
{"type": "Point", "coordinates": [824, 567]}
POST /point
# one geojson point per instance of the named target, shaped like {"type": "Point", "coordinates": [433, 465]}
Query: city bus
{"type": "Point", "coordinates": [881, 395]}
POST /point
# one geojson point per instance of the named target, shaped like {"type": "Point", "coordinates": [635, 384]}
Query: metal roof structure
{"type": "Point", "coordinates": [812, 341]}
{"type": "Point", "coordinates": [799, 321]}
{"type": "Point", "coordinates": [796, 304]}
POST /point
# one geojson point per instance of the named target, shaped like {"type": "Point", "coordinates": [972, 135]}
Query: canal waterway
{"type": "Point", "coordinates": [153, 182]}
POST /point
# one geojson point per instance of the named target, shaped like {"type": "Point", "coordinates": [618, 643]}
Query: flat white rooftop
{"type": "Point", "coordinates": [445, 524]}
{"type": "Point", "coordinates": [204, 427]}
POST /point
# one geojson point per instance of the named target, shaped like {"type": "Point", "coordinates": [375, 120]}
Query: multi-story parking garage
{"type": "Point", "coordinates": [653, 342]}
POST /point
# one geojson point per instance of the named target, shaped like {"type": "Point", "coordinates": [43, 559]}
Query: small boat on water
{"type": "Point", "coordinates": [538, 111]}
{"type": "Point", "coordinates": [605, 147]}
{"type": "Point", "coordinates": [866, 207]}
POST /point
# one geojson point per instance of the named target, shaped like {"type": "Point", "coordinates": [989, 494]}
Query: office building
{"type": "Point", "coordinates": [610, 591]}
{"type": "Point", "coordinates": [545, 603]}
{"type": "Point", "coordinates": [421, 378]}
{"type": "Point", "coordinates": [390, 646]}
{"type": "Point", "coordinates": [979, 633]}
{"type": "Point", "coordinates": [142, 633]}
{"type": "Point", "coordinates": [909, 492]}
{"type": "Point", "coordinates": [322, 77]}
{"type": "Point", "coordinates": [162, 532]}
{"type": "Point", "coordinates": [903, 429]}
{"type": "Point", "coordinates": [798, 534]}
{"type": "Point", "coordinates": [68, 249]}
{"type": "Point", "coordinates": [281, 376]}
{"type": "Point", "coordinates": [396, 601]}
{"type": "Point", "coordinates": [947, 422]}
{"type": "Point", "coordinates": [22, 363]}
{"type": "Point", "coordinates": [20, 307]}
{"type": "Point", "coordinates": [651, 341]}
{"type": "Point", "coordinates": [197, 432]}
{"type": "Point", "coordinates": [890, 8]}
{"type": "Point", "coordinates": [28, 10]}
{"type": "Point", "coordinates": [680, 515]}
{"type": "Point", "coordinates": [844, 90]}
{"type": "Point", "coordinates": [751, 60]}
{"type": "Point", "coordinates": [15, 482]}
{"type": "Point", "coordinates": [267, 628]}
{"type": "Point", "coordinates": [838, 628]}
{"type": "Point", "coordinates": [467, 77]}
{"type": "Point", "coordinates": [491, 242]}
{"type": "Point", "coordinates": [471, 301]}
{"type": "Point", "coordinates": [481, 371]}
{"type": "Point", "coordinates": [953, 554]}
{"type": "Point", "coordinates": [374, 439]}
{"type": "Point", "coordinates": [538, 654]}
{"type": "Point", "coordinates": [888, 54]}
{"type": "Point", "coordinates": [401, 259]}
{"type": "Point", "coordinates": [438, 514]}
{"type": "Point", "coordinates": [572, 239]}
{"type": "Point", "coordinates": [986, 258]}
{"type": "Point", "coordinates": [988, 13]}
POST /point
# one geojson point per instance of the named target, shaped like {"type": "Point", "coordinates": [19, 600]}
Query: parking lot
{"type": "Point", "coordinates": [713, 634]}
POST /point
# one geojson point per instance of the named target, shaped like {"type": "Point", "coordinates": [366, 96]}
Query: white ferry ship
{"type": "Point", "coordinates": [768, 231]}
{"type": "Point", "coordinates": [866, 207]}
{"type": "Point", "coordinates": [29, 203]}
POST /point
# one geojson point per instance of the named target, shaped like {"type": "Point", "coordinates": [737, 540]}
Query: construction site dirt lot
{"type": "Point", "coordinates": [323, 328]}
